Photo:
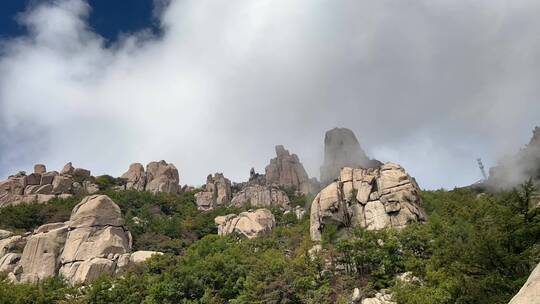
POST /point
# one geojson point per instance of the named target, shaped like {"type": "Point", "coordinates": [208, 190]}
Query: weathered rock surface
{"type": "Point", "coordinates": [530, 292]}
{"type": "Point", "coordinates": [162, 177]}
{"type": "Point", "coordinates": [217, 192]}
{"type": "Point", "coordinates": [42, 186]}
{"type": "Point", "coordinates": [342, 149]}
{"type": "Point", "coordinates": [139, 257]}
{"type": "Point", "coordinates": [286, 170]}
{"type": "Point", "coordinates": [9, 261]}
{"type": "Point", "coordinates": [93, 242]}
{"type": "Point", "coordinates": [249, 224]}
{"type": "Point", "coordinates": [372, 198]}
{"type": "Point", "coordinates": [261, 196]}
{"type": "Point", "coordinates": [135, 177]}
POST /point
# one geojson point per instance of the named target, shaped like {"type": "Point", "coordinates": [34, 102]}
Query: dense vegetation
{"type": "Point", "coordinates": [475, 248]}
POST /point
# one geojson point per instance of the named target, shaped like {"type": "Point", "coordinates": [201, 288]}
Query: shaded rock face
{"type": "Point", "coordinates": [135, 177]}
{"type": "Point", "coordinates": [371, 198]}
{"type": "Point", "coordinates": [217, 192]}
{"type": "Point", "coordinates": [517, 169]}
{"type": "Point", "coordinates": [530, 292]}
{"type": "Point", "coordinates": [342, 149]}
{"type": "Point", "coordinates": [249, 224]}
{"type": "Point", "coordinates": [261, 196]}
{"type": "Point", "coordinates": [93, 242]}
{"type": "Point", "coordinates": [42, 186]}
{"type": "Point", "coordinates": [286, 170]}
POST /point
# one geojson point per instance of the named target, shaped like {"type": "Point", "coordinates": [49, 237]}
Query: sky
{"type": "Point", "coordinates": [213, 86]}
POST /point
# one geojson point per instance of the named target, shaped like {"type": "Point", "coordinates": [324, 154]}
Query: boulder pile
{"type": "Point", "coordinates": [217, 192]}
{"type": "Point", "coordinates": [42, 186]}
{"type": "Point", "coordinates": [159, 177]}
{"type": "Point", "coordinates": [93, 242]}
{"type": "Point", "coordinates": [249, 224]}
{"type": "Point", "coordinates": [370, 198]}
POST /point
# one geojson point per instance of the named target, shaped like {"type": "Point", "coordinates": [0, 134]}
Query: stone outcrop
{"type": "Point", "coordinates": [162, 177]}
{"type": "Point", "coordinates": [286, 170]}
{"type": "Point", "coordinates": [370, 198]}
{"type": "Point", "coordinates": [249, 224]}
{"type": "Point", "coordinates": [159, 177]}
{"type": "Point", "coordinates": [135, 177]}
{"type": "Point", "coordinates": [93, 242]}
{"type": "Point", "coordinates": [260, 196]}
{"type": "Point", "coordinates": [42, 186]}
{"type": "Point", "coordinates": [530, 292]}
{"type": "Point", "coordinates": [217, 192]}
{"type": "Point", "coordinates": [342, 149]}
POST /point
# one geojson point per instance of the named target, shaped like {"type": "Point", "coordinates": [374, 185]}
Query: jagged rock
{"type": "Point", "coordinates": [342, 149]}
{"type": "Point", "coordinates": [530, 292]}
{"type": "Point", "coordinates": [217, 192]}
{"type": "Point", "coordinates": [261, 196]}
{"type": "Point", "coordinates": [162, 177]}
{"type": "Point", "coordinates": [9, 261]}
{"type": "Point", "coordinates": [39, 259]}
{"type": "Point", "coordinates": [286, 170]}
{"type": "Point", "coordinates": [68, 169]}
{"type": "Point", "coordinates": [40, 168]}
{"type": "Point", "coordinates": [12, 189]}
{"type": "Point", "coordinates": [249, 224]}
{"type": "Point", "coordinates": [370, 198]}
{"type": "Point", "coordinates": [139, 257]}
{"type": "Point", "coordinates": [135, 177]}
{"type": "Point", "coordinates": [62, 184]}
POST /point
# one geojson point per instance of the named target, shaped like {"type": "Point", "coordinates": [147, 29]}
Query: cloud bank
{"type": "Point", "coordinates": [429, 84]}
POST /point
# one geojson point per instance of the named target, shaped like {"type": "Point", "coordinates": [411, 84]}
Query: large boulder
{"type": "Point", "coordinates": [249, 224]}
{"type": "Point", "coordinates": [12, 189]}
{"type": "Point", "coordinates": [371, 198]}
{"type": "Point", "coordinates": [530, 292]}
{"type": "Point", "coordinates": [39, 259]}
{"type": "Point", "coordinates": [81, 249]}
{"type": "Point", "coordinates": [342, 149]}
{"type": "Point", "coordinates": [217, 192]}
{"type": "Point", "coordinates": [286, 170]}
{"type": "Point", "coordinates": [135, 177]}
{"type": "Point", "coordinates": [162, 177]}
{"type": "Point", "coordinates": [261, 196]}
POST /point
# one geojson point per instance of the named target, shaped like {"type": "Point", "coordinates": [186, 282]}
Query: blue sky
{"type": "Point", "coordinates": [109, 18]}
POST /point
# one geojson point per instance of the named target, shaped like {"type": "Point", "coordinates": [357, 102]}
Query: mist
{"type": "Point", "coordinates": [431, 85]}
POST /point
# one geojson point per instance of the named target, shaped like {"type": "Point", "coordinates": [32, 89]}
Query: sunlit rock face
{"type": "Point", "coordinates": [371, 198]}
{"type": "Point", "coordinates": [249, 224]}
{"type": "Point", "coordinates": [530, 292]}
{"type": "Point", "coordinates": [217, 192]}
{"type": "Point", "coordinates": [342, 149]}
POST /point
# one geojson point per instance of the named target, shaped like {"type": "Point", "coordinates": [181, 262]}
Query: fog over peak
{"type": "Point", "coordinates": [431, 85]}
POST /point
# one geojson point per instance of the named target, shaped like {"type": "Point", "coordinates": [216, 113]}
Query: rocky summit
{"type": "Point", "coordinates": [375, 199]}
{"type": "Point", "coordinates": [342, 149]}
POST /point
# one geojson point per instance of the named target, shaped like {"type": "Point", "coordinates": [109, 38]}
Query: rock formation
{"type": "Point", "coordinates": [286, 170]}
{"type": "Point", "coordinates": [261, 196]}
{"type": "Point", "coordinates": [217, 192]}
{"type": "Point", "coordinates": [371, 198]}
{"type": "Point", "coordinates": [159, 177]}
{"type": "Point", "coordinates": [42, 186]}
{"type": "Point", "coordinates": [249, 224]}
{"type": "Point", "coordinates": [342, 149]}
{"type": "Point", "coordinates": [93, 242]}
{"type": "Point", "coordinates": [530, 292]}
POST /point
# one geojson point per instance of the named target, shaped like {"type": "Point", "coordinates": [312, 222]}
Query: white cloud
{"type": "Point", "coordinates": [430, 84]}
